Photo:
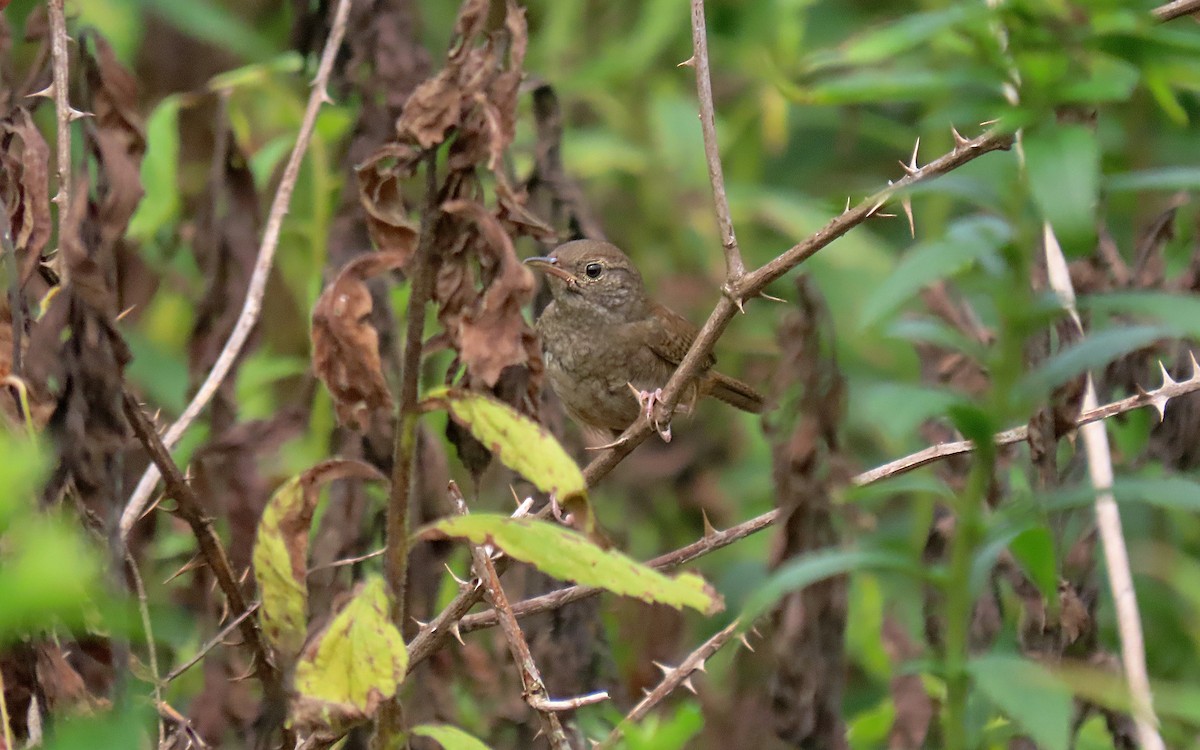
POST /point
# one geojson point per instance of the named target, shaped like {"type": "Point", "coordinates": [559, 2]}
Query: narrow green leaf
{"type": "Point", "coordinates": [281, 551]}
{"type": "Point", "coordinates": [817, 566]}
{"type": "Point", "coordinates": [1166, 178]}
{"type": "Point", "coordinates": [161, 204]}
{"type": "Point", "coordinates": [566, 554]}
{"type": "Point", "coordinates": [1064, 175]}
{"type": "Point", "coordinates": [520, 443]}
{"type": "Point", "coordinates": [1180, 313]}
{"type": "Point", "coordinates": [1172, 493]}
{"type": "Point", "coordinates": [450, 738]}
{"type": "Point", "coordinates": [1031, 696]}
{"type": "Point", "coordinates": [348, 670]}
{"type": "Point", "coordinates": [965, 242]}
{"type": "Point", "coordinates": [1097, 350]}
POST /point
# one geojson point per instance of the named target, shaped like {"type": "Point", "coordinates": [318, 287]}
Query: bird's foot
{"type": "Point", "coordinates": [647, 400]}
{"type": "Point", "coordinates": [557, 511]}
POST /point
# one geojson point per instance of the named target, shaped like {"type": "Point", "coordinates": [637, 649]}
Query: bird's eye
{"type": "Point", "coordinates": [593, 270]}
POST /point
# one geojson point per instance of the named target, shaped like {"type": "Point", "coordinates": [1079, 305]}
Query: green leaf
{"type": "Point", "coordinates": [281, 552]}
{"type": "Point", "coordinates": [1171, 493]}
{"type": "Point", "coordinates": [1097, 350]}
{"type": "Point", "coordinates": [566, 554]}
{"type": "Point", "coordinates": [817, 566]}
{"type": "Point", "coordinates": [450, 738]}
{"type": "Point", "coordinates": [1064, 176]}
{"type": "Point", "coordinates": [965, 242]}
{"type": "Point", "coordinates": [160, 205]}
{"type": "Point", "coordinates": [1166, 178]}
{"type": "Point", "coordinates": [1034, 549]}
{"type": "Point", "coordinates": [348, 670]}
{"type": "Point", "coordinates": [1031, 696]}
{"type": "Point", "coordinates": [1180, 313]}
{"type": "Point", "coordinates": [520, 443]}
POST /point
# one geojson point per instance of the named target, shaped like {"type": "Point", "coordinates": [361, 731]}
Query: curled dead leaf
{"type": "Point", "coordinates": [345, 352]}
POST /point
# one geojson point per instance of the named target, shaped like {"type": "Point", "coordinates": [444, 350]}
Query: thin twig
{"type": "Point", "coordinates": [60, 60]}
{"type": "Point", "coordinates": [735, 268]}
{"type": "Point", "coordinates": [533, 689]}
{"type": "Point", "coordinates": [213, 642]}
{"type": "Point", "coordinates": [711, 542]}
{"type": "Point", "coordinates": [256, 289]}
{"type": "Point", "coordinates": [1108, 521]}
{"type": "Point", "coordinates": [1176, 9]}
{"type": "Point", "coordinates": [191, 510]}
{"type": "Point", "coordinates": [6, 733]}
{"type": "Point", "coordinates": [672, 679]}
{"type": "Point", "coordinates": [139, 588]}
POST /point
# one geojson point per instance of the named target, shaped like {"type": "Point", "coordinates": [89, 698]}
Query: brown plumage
{"type": "Point", "coordinates": [602, 334]}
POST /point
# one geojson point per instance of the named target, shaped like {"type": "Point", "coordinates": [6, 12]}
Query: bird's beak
{"type": "Point", "coordinates": [549, 264]}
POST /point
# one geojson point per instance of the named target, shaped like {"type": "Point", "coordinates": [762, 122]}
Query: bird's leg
{"type": "Point", "coordinates": [647, 400]}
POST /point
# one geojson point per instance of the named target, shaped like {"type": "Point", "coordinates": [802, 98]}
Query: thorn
{"type": "Point", "coordinates": [709, 530]}
{"type": "Point", "coordinates": [196, 562]}
{"type": "Point", "coordinates": [516, 497]}
{"type": "Point", "coordinates": [988, 123]}
{"type": "Point", "coordinates": [702, 666]}
{"type": "Point", "coordinates": [595, 743]}
{"type": "Point", "coordinates": [771, 298]}
{"type": "Point", "coordinates": [906, 202]}
{"type": "Point", "coordinates": [689, 686]}
{"type": "Point", "coordinates": [911, 167]}
{"type": "Point", "coordinates": [457, 633]}
{"type": "Point", "coordinates": [58, 197]}
{"type": "Point", "coordinates": [246, 676]}
{"type": "Point", "coordinates": [538, 733]}
{"type": "Point", "coordinates": [741, 308]}
{"type": "Point", "coordinates": [688, 63]}
{"type": "Point", "coordinates": [1195, 366]}
{"type": "Point", "coordinates": [324, 97]}
{"type": "Point", "coordinates": [1166, 376]}
{"type": "Point", "coordinates": [745, 641]}
{"type": "Point", "coordinates": [46, 93]}
{"type": "Point", "coordinates": [646, 691]}
{"type": "Point", "coordinates": [877, 206]}
{"type": "Point", "coordinates": [846, 210]}
{"type": "Point", "coordinates": [126, 311]}
{"type": "Point", "coordinates": [74, 114]}
{"type": "Point", "coordinates": [523, 509]}
{"type": "Point", "coordinates": [754, 631]}
{"type": "Point", "coordinates": [421, 623]}
{"type": "Point", "coordinates": [883, 215]}
{"type": "Point", "coordinates": [461, 583]}
{"type": "Point", "coordinates": [959, 139]}
{"type": "Point", "coordinates": [1157, 400]}
{"type": "Point", "coordinates": [666, 669]}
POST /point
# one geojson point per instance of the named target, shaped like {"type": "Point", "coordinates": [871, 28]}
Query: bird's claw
{"type": "Point", "coordinates": [647, 400]}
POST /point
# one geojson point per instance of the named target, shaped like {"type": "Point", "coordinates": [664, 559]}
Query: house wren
{"type": "Point", "coordinates": [609, 349]}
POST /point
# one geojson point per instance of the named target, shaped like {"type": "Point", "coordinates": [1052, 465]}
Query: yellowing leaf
{"type": "Point", "coordinates": [281, 552]}
{"type": "Point", "coordinates": [347, 671]}
{"type": "Point", "coordinates": [566, 554]}
{"type": "Point", "coordinates": [450, 738]}
{"type": "Point", "coordinates": [520, 443]}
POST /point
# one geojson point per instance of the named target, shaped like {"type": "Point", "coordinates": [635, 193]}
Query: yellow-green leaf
{"type": "Point", "coordinates": [347, 671]}
{"type": "Point", "coordinates": [281, 552]}
{"type": "Point", "coordinates": [520, 443]}
{"type": "Point", "coordinates": [451, 738]}
{"type": "Point", "coordinates": [566, 554]}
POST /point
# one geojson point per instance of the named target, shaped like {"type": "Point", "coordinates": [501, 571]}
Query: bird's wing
{"type": "Point", "coordinates": [670, 335]}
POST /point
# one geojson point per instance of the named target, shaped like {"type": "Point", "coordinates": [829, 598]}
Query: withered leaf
{"type": "Point", "coordinates": [492, 334]}
{"type": "Point", "coordinates": [120, 137]}
{"type": "Point", "coordinates": [345, 351]}
{"type": "Point", "coordinates": [29, 177]}
{"type": "Point", "coordinates": [379, 191]}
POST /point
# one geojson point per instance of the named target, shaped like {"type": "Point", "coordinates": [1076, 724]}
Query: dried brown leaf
{"type": "Point", "coordinates": [380, 192]}
{"type": "Point", "coordinates": [346, 347]}
{"type": "Point", "coordinates": [26, 189]}
{"type": "Point", "coordinates": [494, 334]}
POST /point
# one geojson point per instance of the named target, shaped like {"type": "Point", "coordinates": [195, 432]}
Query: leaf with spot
{"type": "Point", "coordinates": [348, 670]}
{"type": "Point", "coordinates": [568, 555]}
{"type": "Point", "coordinates": [281, 551]}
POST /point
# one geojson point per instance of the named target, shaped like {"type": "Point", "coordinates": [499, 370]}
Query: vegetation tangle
{"type": "Point", "coordinates": [288, 461]}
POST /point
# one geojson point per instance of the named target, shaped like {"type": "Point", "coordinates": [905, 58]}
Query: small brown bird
{"type": "Point", "coordinates": [609, 348]}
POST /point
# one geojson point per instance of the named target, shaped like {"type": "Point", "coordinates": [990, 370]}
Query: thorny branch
{"type": "Point", "coordinates": [735, 267]}
{"type": "Point", "coordinates": [257, 287]}
{"type": "Point", "coordinates": [532, 687]}
{"type": "Point", "coordinates": [60, 59]}
{"type": "Point", "coordinates": [191, 509]}
{"type": "Point", "coordinates": [672, 679]}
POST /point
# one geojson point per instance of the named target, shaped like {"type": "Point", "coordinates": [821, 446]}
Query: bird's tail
{"type": "Point", "coordinates": [734, 392]}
